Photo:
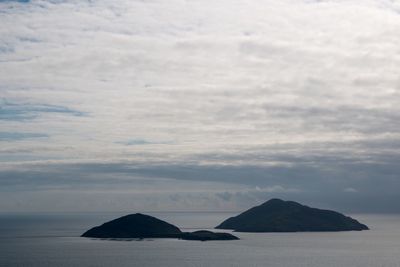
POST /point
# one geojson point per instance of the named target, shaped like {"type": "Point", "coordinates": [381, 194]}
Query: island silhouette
{"type": "Point", "coordinates": [277, 215]}
{"type": "Point", "coordinates": [139, 226]}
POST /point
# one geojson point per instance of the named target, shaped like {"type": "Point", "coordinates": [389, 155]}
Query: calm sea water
{"type": "Point", "coordinates": [53, 240]}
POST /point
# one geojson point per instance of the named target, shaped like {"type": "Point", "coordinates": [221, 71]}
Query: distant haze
{"type": "Point", "coordinates": [158, 105]}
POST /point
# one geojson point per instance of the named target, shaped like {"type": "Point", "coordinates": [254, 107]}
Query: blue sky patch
{"type": "Point", "coordinates": [15, 136]}
{"type": "Point", "coordinates": [139, 141]}
{"type": "Point", "coordinates": [19, 112]}
{"type": "Point", "coordinates": [19, 1]}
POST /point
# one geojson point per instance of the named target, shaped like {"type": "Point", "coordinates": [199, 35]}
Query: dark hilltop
{"type": "Point", "coordinates": [139, 226]}
{"type": "Point", "coordinates": [134, 226]}
{"type": "Point", "coordinates": [277, 215]}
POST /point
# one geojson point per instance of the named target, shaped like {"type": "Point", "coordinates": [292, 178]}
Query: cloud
{"type": "Point", "coordinates": [280, 95]}
{"type": "Point", "coordinates": [219, 187]}
{"type": "Point", "coordinates": [350, 190]}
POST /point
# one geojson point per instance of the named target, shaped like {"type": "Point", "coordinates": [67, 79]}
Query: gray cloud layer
{"type": "Point", "coordinates": [144, 101]}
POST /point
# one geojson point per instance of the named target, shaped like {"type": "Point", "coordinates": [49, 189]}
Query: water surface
{"type": "Point", "coordinates": [53, 240]}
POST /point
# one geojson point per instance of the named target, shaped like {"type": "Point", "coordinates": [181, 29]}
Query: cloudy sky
{"type": "Point", "coordinates": [152, 105]}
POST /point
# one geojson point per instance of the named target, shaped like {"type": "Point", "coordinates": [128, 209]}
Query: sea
{"type": "Point", "coordinates": [52, 239]}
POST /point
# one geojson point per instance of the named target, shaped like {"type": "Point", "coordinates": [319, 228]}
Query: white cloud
{"type": "Point", "coordinates": [263, 83]}
{"type": "Point", "coordinates": [350, 190]}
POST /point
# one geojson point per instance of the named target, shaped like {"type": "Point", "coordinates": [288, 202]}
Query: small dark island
{"type": "Point", "coordinates": [277, 215]}
{"type": "Point", "coordinates": [139, 226]}
{"type": "Point", "coordinates": [207, 236]}
{"type": "Point", "coordinates": [134, 226]}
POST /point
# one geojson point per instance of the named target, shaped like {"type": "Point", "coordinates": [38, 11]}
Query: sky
{"type": "Point", "coordinates": [199, 105]}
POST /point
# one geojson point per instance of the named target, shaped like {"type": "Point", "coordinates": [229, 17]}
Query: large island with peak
{"type": "Point", "coordinates": [277, 215]}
